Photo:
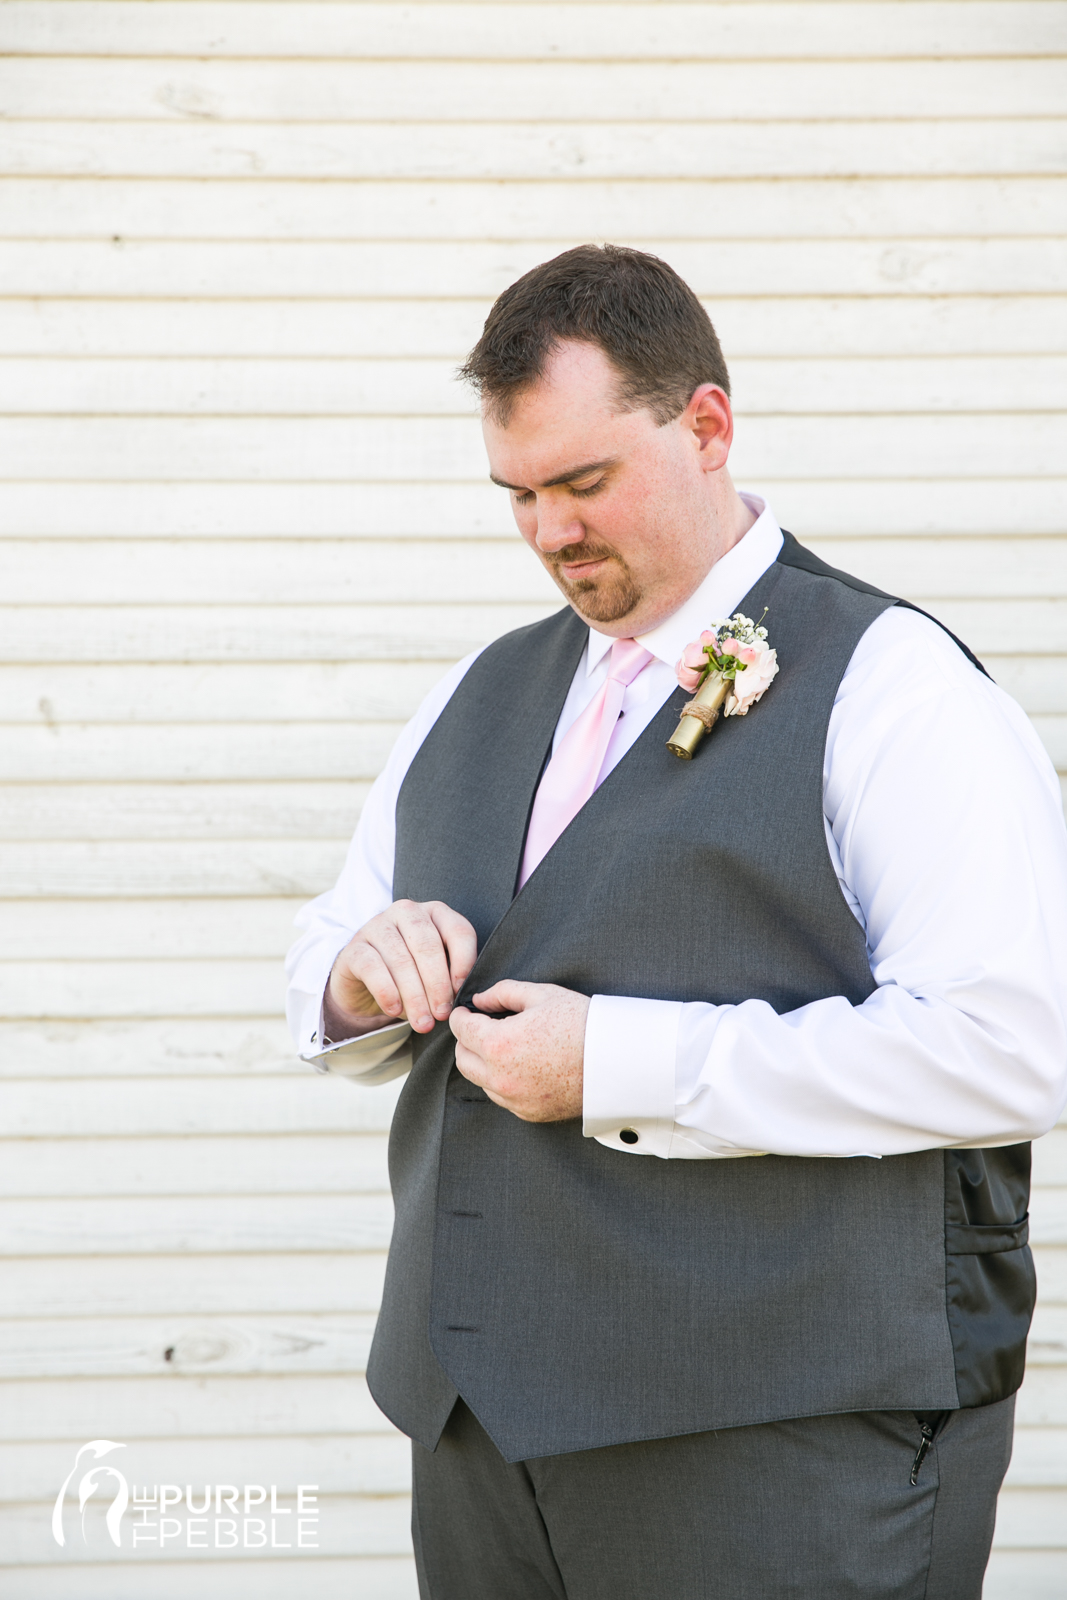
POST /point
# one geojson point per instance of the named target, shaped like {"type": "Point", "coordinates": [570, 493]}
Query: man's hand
{"type": "Point", "coordinates": [530, 1063]}
{"type": "Point", "coordinates": [410, 961]}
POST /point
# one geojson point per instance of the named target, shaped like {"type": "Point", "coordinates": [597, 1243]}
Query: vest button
{"type": "Point", "coordinates": [628, 1136]}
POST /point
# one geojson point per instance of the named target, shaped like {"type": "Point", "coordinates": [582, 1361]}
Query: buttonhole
{"type": "Point", "coordinates": [462, 1327]}
{"type": "Point", "coordinates": [466, 1213]}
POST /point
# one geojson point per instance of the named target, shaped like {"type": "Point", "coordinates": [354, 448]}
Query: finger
{"type": "Point", "coordinates": [461, 941]}
{"type": "Point", "coordinates": [426, 947]}
{"type": "Point", "coordinates": [471, 1065]}
{"type": "Point", "coordinates": [474, 1033]}
{"type": "Point", "coordinates": [507, 995]}
{"type": "Point", "coordinates": [392, 948]}
{"type": "Point", "coordinates": [362, 970]}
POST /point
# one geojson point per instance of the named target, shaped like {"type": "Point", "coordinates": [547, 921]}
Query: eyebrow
{"type": "Point", "coordinates": [562, 477]}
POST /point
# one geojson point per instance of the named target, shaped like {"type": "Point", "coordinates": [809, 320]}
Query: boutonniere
{"type": "Point", "coordinates": [730, 667]}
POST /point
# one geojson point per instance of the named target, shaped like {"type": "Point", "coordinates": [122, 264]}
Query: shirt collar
{"type": "Point", "coordinates": [717, 597]}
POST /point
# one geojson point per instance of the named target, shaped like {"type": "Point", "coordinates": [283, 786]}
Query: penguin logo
{"type": "Point", "coordinates": [88, 1487]}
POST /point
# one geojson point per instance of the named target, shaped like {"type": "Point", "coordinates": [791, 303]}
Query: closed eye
{"type": "Point", "coordinates": [523, 497]}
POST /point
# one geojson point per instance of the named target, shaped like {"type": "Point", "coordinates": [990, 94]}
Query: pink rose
{"type": "Point", "coordinates": [694, 663]}
{"type": "Point", "coordinates": [687, 677]}
{"type": "Point", "coordinates": [761, 667]}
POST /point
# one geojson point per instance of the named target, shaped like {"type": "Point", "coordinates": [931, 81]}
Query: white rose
{"type": "Point", "coordinates": [761, 666]}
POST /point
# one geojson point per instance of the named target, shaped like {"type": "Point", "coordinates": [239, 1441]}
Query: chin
{"type": "Point", "coordinates": [595, 605]}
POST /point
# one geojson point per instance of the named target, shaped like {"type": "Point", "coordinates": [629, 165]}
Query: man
{"type": "Point", "coordinates": [709, 1275]}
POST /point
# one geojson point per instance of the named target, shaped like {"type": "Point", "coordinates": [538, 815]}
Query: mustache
{"type": "Point", "coordinates": [586, 551]}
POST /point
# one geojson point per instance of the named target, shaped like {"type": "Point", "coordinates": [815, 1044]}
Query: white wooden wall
{"type": "Point", "coordinates": [246, 523]}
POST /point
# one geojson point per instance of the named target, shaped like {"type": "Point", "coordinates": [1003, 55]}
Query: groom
{"type": "Point", "coordinates": [710, 1273]}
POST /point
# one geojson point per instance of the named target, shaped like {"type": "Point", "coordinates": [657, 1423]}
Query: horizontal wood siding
{"type": "Point", "coordinates": [244, 526]}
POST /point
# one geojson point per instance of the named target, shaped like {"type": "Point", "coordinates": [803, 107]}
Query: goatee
{"type": "Point", "coordinates": [606, 598]}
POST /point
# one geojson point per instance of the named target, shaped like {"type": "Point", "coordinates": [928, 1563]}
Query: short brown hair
{"type": "Point", "coordinates": [636, 308]}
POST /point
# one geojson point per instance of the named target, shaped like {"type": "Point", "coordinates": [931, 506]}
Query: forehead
{"type": "Point", "coordinates": [571, 415]}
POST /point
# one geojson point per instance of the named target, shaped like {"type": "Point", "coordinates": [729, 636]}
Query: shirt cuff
{"type": "Point", "coordinates": [628, 1094]}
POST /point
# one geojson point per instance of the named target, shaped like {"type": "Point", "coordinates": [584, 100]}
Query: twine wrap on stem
{"type": "Point", "coordinates": [699, 716]}
{"type": "Point", "coordinates": [705, 714]}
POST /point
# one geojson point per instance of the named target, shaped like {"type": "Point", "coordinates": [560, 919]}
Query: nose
{"type": "Point", "coordinates": [557, 527]}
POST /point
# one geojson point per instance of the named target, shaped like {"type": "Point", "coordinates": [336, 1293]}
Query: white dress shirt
{"type": "Point", "coordinates": [944, 823]}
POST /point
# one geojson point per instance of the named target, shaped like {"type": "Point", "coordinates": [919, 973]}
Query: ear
{"type": "Point", "coordinates": [709, 419]}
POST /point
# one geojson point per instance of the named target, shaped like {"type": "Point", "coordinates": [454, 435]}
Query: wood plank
{"type": "Point", "coordinates": [142, 869]}
{"type": "Point", "coordinates": [1050, 1158]}
{"type": "Point", "coordinates": [1048, 1216]}
{"type": "Point", "coordinates": [1037, 1574]}
{"type": "Point", "coordinates": [361, 1463]}
{"type": "Point", "coordinates": [339, 92]}
{"type": "Point", "coordinates": [268, 633]}
{"type": "Point", "coordinates": [1051, 1263]}
{"type": "Point", "coordinates": [321, 1578]}
{"type": "Point", "coordinates": [1031, 1519]}
{"type": "Point", "coordinates": [324, 633]}
{"type": "Point", "coordinates": [1047, 1345]}
{"type": "Point", "coordinates": [1042, 1401]}
{"type": "Point", "coordinates": [301, 571]}
{"type": "Point", "coordinates": [884, 324]}
{"type": "Point", "coordinates": [205, 988]}
{"type": "Point", "coordinates": [760, 386]}
{"type": "Point", "coordinates": [192, 1285]}
{"type": "Point", "coordinates": [930, 568]}
{"type": "Point", "coordinates": [981, 623]}
{"type": "Point", "coordinates": [127, 1107]}
{"type": "Point", "coordinates": [325, 1163]}
{"type": "Point", "coordinates": [305, 571]}
{"type": "Point", "coordinates": [559, 32]}
{"type": "Point", "coordinates": [327, 1343]}
{"type": "Point", "coordinates": [542, 150]}
{"type": "Point", "coordinates": [875, 507]}
{"type": "Point", "coordinates": [222, 1047]}
{"type": "Point", "coordinates": [105, 1347]}
{"type": "Point", "coordinates": [333, 449]}
{"type": "Point", "coordinates": [202, 751]}
{"type": "Point", "coordinates": [189, 811]}
{"type": "Point", "coordinates": [1039, 1458]}
{"type": "Point", "coordinates": [1052, 731]}
{"type": "Point", "coordinates": [212, 693]}
{"type": "Point", "coordinates": [185, 1407]}
{"type": "Point", "coordinates": [1038, 683]}
{"type": "Point", "coordinates": [53, 695]}
{"type": "Point", "coordinates": [919, 207]}
{"type": "Point", "coordinates": [310, 510]}
{"type": "Point", "coordinates": [326, 269]}
{"type": "Point", "coordinates": [261, 752]}
{"type": "Point", "coordinates": [260, 1225]}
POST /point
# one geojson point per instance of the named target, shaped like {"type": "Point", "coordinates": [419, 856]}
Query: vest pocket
{"type": "Point", "coordinates": [990, 1288]}
{"type": "Point", "coordinates": [983, 1239]}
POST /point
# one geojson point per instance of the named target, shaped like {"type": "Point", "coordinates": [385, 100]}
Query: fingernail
{"type": "Point", "coordinates": [424, 1023]}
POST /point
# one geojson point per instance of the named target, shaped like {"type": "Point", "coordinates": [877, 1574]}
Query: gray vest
{"type": "Point", "coordinates": [576, 1296]}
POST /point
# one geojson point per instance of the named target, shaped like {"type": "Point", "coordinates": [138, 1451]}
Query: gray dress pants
{"type": "Point", "coordinates": [821, 1508]}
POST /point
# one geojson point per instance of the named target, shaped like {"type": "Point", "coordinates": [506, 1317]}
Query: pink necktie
{"type": "Point", "coordinates": [574, 773]}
